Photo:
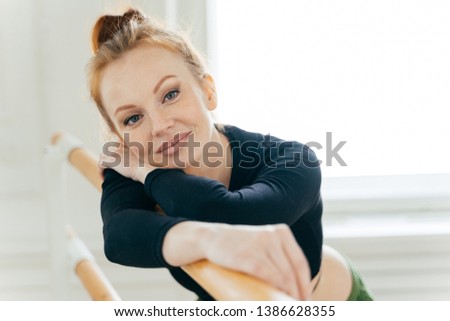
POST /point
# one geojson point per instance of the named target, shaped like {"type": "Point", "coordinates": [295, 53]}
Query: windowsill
{"type": "Point", "coordinates": [374, 194]}
{"type": "Point", "coordinates": [388, 225]}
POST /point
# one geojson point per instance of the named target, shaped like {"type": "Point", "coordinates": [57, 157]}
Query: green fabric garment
{"type": "Point", "coordinates": [359, 289]}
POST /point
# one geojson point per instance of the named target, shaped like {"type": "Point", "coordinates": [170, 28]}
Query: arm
{"type": "Point", "coordinates": [133, 232]}
{"type": "Point", "coordinates": [267, 252]}
{"type": "Point", "coordinates": [135, 235]}
{"type": "Point", "coordinates": [281, 190]}
{"type": "Point", "coordinates": [280, 194]}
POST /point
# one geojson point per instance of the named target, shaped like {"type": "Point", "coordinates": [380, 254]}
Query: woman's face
{"type": "Point", "coordinates": [154, 99]}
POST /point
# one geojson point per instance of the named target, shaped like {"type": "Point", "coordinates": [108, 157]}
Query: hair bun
{"type": "Point", "coordinates": [108, 25]}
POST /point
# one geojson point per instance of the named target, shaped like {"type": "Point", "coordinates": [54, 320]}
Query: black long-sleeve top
{"type": "Point", "coordinates": [272, 181]}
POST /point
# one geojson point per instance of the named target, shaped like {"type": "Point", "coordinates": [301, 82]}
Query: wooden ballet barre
{"type": "Point", "coordinates": [89, 273]}
{"type": "Point", "coordinates": [221, 283]}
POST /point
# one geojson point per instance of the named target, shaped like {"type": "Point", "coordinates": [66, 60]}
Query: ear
{"type": "Point", "coordinates": [209, 88]}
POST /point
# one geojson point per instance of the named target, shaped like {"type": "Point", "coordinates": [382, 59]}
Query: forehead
{"type": "Point", "coordinates": [138, 71]}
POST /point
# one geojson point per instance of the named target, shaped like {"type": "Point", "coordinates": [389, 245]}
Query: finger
{"type": "Point", "coordinates": [129, 153]}
{"type": "Point", "coordinates": [137, 153]}
{"type": "Point", "coordinates": [100, 161]}
{"type": "Point", "coordinates": [105, 161]}
{"type": "Point", "coordinates": [135, 150]}
{"type": "Point", "coordinates": [261, 267]}
{"type": "Point", "coordinates": [286, 269]}
{"type": "Point", "coordinates": [300, 265]}
{"type": "Point", "coordinates": [100, 169]}
{"type": "Point", "coordinates": [121, 149]}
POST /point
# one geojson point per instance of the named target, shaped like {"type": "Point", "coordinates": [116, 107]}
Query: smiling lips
{"type": "Point", "coordinates": [169, 147]}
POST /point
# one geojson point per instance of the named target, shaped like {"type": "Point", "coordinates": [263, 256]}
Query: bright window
{"type": "Point", "coordinates": [375, 74]}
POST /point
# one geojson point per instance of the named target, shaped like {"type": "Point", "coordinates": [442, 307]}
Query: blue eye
{"type": "Point", "coordinates": [132, 120]}
{"type": "Point", "coordinates": [171, 95]}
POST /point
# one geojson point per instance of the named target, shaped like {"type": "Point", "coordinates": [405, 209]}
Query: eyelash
{"type": "Point", "coordinates": [126, 122]}
{"type": "Point", "coordinates": [176, 91]}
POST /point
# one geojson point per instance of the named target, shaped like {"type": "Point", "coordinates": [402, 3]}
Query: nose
{"type": "Point", "coordinates": [161, 123]}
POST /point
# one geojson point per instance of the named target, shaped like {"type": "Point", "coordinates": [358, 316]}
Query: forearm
{"type": "Point", "coordinates": [186, 242]}
{"type": "Point", "coordinates": [134, 237]}
{"type": "Point", "coordinates": [267, 252]}
{"type": "Point", "coordinates": [279, 200]}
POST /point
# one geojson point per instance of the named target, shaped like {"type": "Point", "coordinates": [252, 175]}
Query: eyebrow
{"type": "Point", "coordinates": [158, 85]}
{"type": "Point", "coordinates": [160, 82]}
{"type": "Point", "coordinates": [122, 107]}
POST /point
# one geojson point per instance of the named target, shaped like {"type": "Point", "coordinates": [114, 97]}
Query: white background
{"type": "Point", "coordinates": [374, 73]}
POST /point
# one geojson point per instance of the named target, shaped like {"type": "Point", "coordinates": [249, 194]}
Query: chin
{"type": "Point", "coordinates": [178, 160]}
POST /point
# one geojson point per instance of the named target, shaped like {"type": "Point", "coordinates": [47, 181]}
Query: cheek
{"type": "Point", "coordinates": [135, 138]}
{"type": "Point", "coordinates": [199, 114]}
{"type": "Point", "coordinates": [197, 102]}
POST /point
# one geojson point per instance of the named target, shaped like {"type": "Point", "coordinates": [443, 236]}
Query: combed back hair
{"type": "Point", "coordinates": [113, 36]}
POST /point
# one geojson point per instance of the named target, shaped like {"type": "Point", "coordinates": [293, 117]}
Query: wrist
{"type": "Point", "coordinates": [187, 242]}
{"type": "Point", "coordinates": [142, 172]}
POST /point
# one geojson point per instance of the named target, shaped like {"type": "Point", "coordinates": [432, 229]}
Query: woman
{"type": "Point", "coordinates": [243, 200]}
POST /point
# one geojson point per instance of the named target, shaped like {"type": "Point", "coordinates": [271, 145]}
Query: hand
{"type": "Point", "coordinates": [125, 161]}
{"type": "Point", "coordinates": [268, 252]}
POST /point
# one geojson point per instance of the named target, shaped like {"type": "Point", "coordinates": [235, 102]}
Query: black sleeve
{"type": "Point", "coordinates": [281, 193]}
{"type": "Point", "coordinates": [133, 232]}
